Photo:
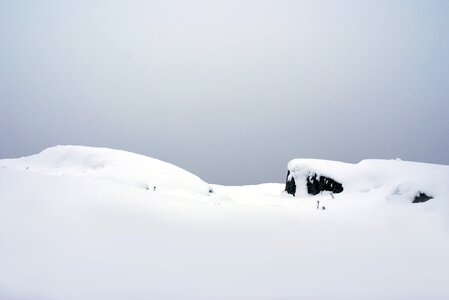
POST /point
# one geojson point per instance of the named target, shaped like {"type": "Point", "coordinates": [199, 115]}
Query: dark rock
{"type": "Point", "coordinates": [421, 197]}
{"type": "Point", "coordinates": [290, 185]}
{"type": "Point", "coordinates": [316, 186]}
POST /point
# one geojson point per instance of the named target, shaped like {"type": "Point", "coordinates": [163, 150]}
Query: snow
{"type": "Point", "coordinates": [111, 165]}
{"type": "Point", "coordinates": [72, 230]}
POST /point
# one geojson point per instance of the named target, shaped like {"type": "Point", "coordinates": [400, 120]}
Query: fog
{"type": "Point", "coordinates": [229, 90]}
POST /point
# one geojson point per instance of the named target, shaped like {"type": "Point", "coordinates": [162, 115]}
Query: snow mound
{"type": "Point", "coordinates": [401, 179]}
{"type": "Point", "coordinates": [116, 166]}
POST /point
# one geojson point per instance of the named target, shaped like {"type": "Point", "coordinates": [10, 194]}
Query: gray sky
{"type": "Point", "coordinates": [229, 90]}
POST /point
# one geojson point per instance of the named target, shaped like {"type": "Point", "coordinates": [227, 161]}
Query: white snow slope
{"type": "Point", "coordinates": [66, 233]}
{"type": "Point", "coordinates": [110, 165]}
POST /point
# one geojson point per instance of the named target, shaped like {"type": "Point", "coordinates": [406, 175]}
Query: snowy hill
{"type": "Point", "coordinates": [78, 223]}
{"type": "Point", "coordinates": [116, 166]}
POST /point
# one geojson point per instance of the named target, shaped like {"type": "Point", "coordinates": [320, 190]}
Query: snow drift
{"type": "Point", "coordinates": [417, 182]}
{"type": "Point", "coordinates": [116, 166]}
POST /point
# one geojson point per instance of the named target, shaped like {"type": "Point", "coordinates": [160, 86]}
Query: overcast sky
{"type": "Point", "coordinates": [229, 90]}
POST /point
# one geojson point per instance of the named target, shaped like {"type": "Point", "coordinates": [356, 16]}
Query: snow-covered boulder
{"type": "Point", "coordinates": [415, 181]}
{"type": "Point", "coordinates": [116, 166]}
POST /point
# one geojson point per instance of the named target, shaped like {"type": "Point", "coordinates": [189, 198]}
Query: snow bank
{"type": "Point", "coordinates": [116, 166]}
{"type": "Point", "coordinates": [402, 179]}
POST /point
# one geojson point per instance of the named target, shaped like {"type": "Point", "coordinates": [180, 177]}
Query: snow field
{"type": "Point", "coordinates": [67, 233]}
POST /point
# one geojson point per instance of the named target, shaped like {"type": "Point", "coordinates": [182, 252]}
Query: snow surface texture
{"type": "Point", "coordinates": [66, 235]}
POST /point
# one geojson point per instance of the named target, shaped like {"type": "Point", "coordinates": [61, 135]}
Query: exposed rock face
{"type": "Point", "coordinates": [316, 185]}
{"type": "Point", "coordinates": [290, 185]}
{"type": "Point", "coordinates": [421, 197]}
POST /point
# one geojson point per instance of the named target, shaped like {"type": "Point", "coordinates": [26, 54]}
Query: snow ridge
{"type": "Point", "coordinates": [116, 166]}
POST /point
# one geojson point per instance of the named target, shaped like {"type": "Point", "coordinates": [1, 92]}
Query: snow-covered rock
{"type": "Point", "coordinates": [116, 166]}
{"type": "Point", "coordinates": [415, 181]}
